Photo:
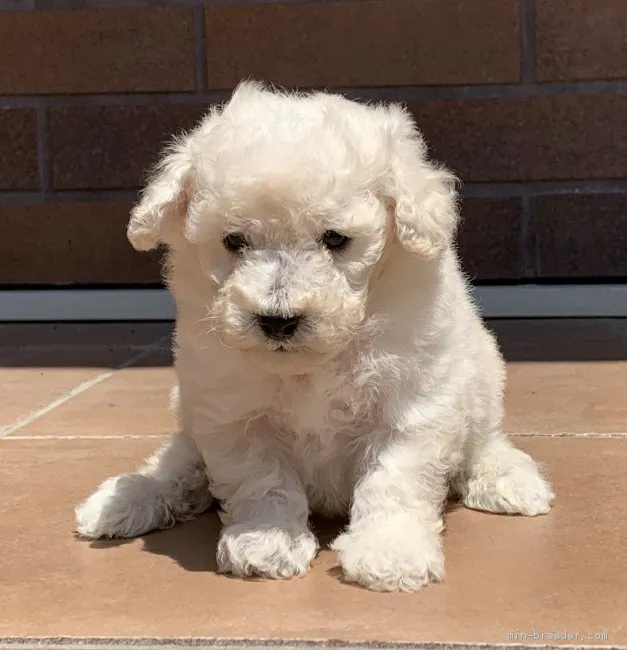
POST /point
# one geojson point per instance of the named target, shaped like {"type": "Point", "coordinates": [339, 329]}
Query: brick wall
{"type": "Point", "coordinates": [526, 100]}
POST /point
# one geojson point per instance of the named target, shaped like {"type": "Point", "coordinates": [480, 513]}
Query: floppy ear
{"type": "Point", "coordinates": [422, 196]}
{"type": "Point", "coordinates": [164, 201]}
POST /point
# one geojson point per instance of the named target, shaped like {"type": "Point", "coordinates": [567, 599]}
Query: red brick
{"type": "Point", "coordinates": [581, 236]}
{"type": "Point", "coordinates": [18, 149]}
{"type": "Point", "coordinates": [560, 137]}
{"type": "Point", "coordinates": [364, 43]}
{"type": "Point", "coordinates": [490, 238]}
{"type": "Point", "coordinates": [105, 51]}
{"type": "Point", "coordinates": [113, 146]}
{"type": "Point", "coordinates": [71, 244]}
{"type": "Point", "coordinates": [580, 40]}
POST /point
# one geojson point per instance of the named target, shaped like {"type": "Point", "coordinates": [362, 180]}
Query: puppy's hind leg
{"type": "Point", "coordinates": [497, 477]}
{"type": "Point", "coordinates": [172, 486]}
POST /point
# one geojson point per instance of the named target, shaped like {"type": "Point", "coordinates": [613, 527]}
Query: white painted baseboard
{"type": "Point", "coordinates": [520, 301]}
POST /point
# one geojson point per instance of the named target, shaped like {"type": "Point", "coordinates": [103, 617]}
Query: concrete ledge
{"type": "Point", "coordinates": [517, 301]}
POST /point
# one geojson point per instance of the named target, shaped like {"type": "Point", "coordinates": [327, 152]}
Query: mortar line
{"type": "Point", "coordinates": [44, 169]}
{"type": "Point", "coordinates": [471, 189]}
{"type": "Point", "coordinates": [200, 53]}
{"type": "Point", "coordinates": [528, 241]}
{"type": "Point", "coordinates": [527, 42]}
{"type": "Point", "coordinates": [413, 93]}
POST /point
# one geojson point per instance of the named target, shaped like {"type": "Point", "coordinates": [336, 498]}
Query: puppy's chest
{"type": "Point", "coordinates": [321, 423]}
{"type": "Point", "coordinates": [319, 408]}
{"type": "Point", "coordinates": [324, 422]}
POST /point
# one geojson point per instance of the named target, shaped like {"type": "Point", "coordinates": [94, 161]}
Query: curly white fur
{"type": "Point", "coordinates": [388, 393]}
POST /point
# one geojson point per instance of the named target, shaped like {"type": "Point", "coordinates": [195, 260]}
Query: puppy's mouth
{"type": "Point", "coordinates": [282, 348]}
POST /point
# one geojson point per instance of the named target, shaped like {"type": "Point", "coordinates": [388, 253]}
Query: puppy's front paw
{"type": "Point", "coordinates": [265, 550]}
{"type": "Point", "coordinates": [123, 506]}
{"type": "Point", "coordinates": [391, 557]}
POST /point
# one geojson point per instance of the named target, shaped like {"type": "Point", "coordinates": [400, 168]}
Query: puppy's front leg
{"type": "Point", "coordinates": [393, 539]}
{"type": "Point", "coordinates": [264, 507]}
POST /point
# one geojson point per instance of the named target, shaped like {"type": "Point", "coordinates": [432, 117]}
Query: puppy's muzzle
{"type": "Point", "coordinates": [278, 328]}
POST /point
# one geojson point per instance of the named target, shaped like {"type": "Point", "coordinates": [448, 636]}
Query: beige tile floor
{"type": "Point", "coordinates": [79, 403]}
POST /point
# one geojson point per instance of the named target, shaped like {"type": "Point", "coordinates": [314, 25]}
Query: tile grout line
{"type": "Point", "coordinates": [16, 425]}
{"type": "Point", "coordinates": [601, 435]}
{"type": "Point", "coordinates": [163, 436]}
{"type": "Point", "coordinates": [598, 435]}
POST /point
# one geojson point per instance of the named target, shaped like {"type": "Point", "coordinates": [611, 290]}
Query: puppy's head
{"type": "Point", "coordinates": [284, 204]}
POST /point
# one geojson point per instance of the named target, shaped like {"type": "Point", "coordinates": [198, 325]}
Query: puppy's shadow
{"type": "Point", "coordinates": [191, 545]}
{"type": "Point", "coordinates": [103, 544]}
{"type": "Point", "coordinates": [326, 530]}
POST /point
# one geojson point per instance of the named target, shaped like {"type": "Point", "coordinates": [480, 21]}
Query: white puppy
{"type": "Point", "coordinates": [329, 357]}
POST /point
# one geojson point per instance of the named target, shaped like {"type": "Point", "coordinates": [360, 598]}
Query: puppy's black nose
{"type": "Point", "coordinates": [277, 327]}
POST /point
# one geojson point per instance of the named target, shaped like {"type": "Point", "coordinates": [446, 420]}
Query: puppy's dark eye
{"type": "Point", "coordinates": [334, 240]}
{"type": "Point", "coordinates": [235, 242]}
